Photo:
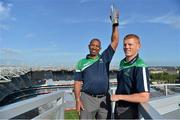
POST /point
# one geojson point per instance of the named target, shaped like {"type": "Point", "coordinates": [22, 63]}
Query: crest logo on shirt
{"type": "Point", "coordinates": [100, 60]}
{"type": "Point", "coordinates": [127, 72]}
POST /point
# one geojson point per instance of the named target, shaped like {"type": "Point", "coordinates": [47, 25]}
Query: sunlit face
{"type": "Point", "coordinates": [131, 47]}
{"type": "Point", "coordinates": [94, 48]}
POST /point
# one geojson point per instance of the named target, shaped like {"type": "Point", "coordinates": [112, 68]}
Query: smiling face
{"type": "Point", "coordinates": [131, 46]}
{"type": "Point", "coordinates": [94, 47]}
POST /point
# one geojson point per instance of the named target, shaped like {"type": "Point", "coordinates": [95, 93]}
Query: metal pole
{"type": "Point", "coordinates": [166, 90]}
{"type": "Point", "coordinates": [113, 103]}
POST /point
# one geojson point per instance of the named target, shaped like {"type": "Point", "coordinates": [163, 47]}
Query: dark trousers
{"type": "Point", "coordinates": [126, 112]}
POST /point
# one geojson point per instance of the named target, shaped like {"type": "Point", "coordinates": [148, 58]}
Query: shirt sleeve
{"type": "Point", "coordinates": [78, 72]}
{"type": "Point", "coordinates": [108, 54]}
{"type": "Point", "coordinates": [142, 79]}
{"type": "Point", "coordinates": [78, 76]}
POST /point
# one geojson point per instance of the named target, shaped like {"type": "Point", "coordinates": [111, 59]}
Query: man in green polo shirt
{"type": "Point", "coordinates": [133, 81]}
{"type": "Point", "coordinates": [92, 72]}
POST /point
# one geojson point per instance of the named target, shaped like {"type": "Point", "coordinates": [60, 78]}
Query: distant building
{"type": "Point", "coordinates": [156, 71]}
{"type": "Point", "coordinates": [161, 69]}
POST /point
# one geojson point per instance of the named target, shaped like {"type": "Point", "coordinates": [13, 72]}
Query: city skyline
{"type": "Point", "coordinates": [57, 32]}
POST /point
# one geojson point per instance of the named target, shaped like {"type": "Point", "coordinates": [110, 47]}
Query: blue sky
{"type": "Point", "coordinates": [57, 32]}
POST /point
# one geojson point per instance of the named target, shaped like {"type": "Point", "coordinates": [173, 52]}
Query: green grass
{"type": "Point", "coordinates": [71, 115]}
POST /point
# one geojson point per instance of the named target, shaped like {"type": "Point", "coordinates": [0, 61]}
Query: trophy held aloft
{"type": "Point", "coordinates": [114, 16]}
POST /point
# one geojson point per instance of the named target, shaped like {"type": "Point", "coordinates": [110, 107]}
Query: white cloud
{"type": "Point", "coordinates": [64, 54]}
{"type": "Point", "coordinates": [122, 23]}
{"type": "Point", "coordinates": [4, 27]}
{"type": "Point", "coordinates": [9, 51]}
{"type": "Point", "coordinates": [173, 20]}
{"type": "Point", "coordinates": [53, 44]}
{"type": "Point", "coordinates": [30, 35]}
{"type": "Point", "coordinates": [1, 40]}
{"type": "Point", "coordinates": [5, 9]}
{"type": "Point", "coordinates": [84, 1]}
{"type": "Point", "coordinates": [168, 19]}
{"type": "Point", "coordinates": [70, 20]}
{"type": "Point", "coordinates": [40, 50]}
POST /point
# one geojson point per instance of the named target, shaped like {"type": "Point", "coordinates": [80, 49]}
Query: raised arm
{"type": "Point", "coordinates": [115, 37]}
{"type": "Point", "coordinates": [115, 23]}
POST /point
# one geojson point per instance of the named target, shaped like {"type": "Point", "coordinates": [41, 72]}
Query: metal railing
{"type": "Point", "coordinates": [145, 109]}
{"type": "Point", "coordinates": [157, 107]}
{"type": "Point", "coordinates": [148, 112]}
{"type": "Point", "coordinates": [166, 104]}
{"type": "Point", "coordinates": [167, 89]}
{"type": "Point", "coordinates": [54, 99]}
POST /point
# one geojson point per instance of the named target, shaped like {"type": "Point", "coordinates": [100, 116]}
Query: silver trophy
{"type": "Point", "coordinates": [114, 15]}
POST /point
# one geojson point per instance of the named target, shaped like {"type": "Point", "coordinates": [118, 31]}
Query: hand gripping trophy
{"type": "Point", "coordinates": [114, 15]}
